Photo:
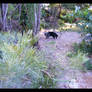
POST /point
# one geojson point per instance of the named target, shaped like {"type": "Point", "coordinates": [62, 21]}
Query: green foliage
{"type": "Point", "coordinates": [83, 47]}
{"type": "Point", "coordinates": [47, 82]}
{"type": "Point", "coordinates": [68, 17]}
{"type": "Point", "coordinates": [86, 47]}
{"type": "Point", "coordinates": [61, 22]}
{"type": "Point", "coordinates": [77, 59]}
{"type": "Point", "coordinates": [69, 6]}
{"type": "Point", "coordinates": [63, 12]}
{"type": "Point", "coordinates": [82, 14]}
{"type": "Point", "coordinates": [85, 13]}
{"type": "Point", "coordinates": [27, 16]}
{"type": "Point", "coordinates": [30, 14]}
{"type": "Point", "coordinates": [43, 24]}
{"type": "Point", "coordinates": [88, 64]}
{"type": "Point", "coordinates": [44, 13]}
{"type": "Point", "coordinates": [22, 65]}
{"type": "Point", "coordinates": [23, 17]}
{"type": "Point", "coordinates": [80, 47]}
{"type": "Point", "coordinates": [33, 40]}
{"type": "Point", "coordinates": [86, 26]}
{"type": "Point", "coordinates": [11, 7]}
{"type": "Point", "coordinates": [71, 15]}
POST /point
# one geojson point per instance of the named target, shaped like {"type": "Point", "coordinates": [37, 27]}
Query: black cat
{"type": "Point", "coordinates": [53, 34]}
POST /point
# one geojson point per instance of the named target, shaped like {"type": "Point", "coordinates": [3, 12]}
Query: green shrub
{"type": "Point", "coordinates": [83, 47]}
{"type": "Point", "coordinates": [68, 17]}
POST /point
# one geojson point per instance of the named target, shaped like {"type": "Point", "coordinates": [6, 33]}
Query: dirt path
{"type": "Point", "coordinates": [56, 53]}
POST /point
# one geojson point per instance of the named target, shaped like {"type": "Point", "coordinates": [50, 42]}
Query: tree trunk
{"type": "Point", "coordinates": [35, 21]}
{"type": "Point", "coordinates": [38, 18]}
{"type": "Point", "coordinates": [37, 14]}
{"type": "Point", "coordinates": [4, 10]}
{"type": "Point", "coordinates": [60, 6]}
{"type": "Point", "coordinates": [20, 11]}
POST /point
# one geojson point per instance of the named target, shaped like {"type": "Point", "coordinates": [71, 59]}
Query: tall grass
{"type": "Point", "coordinates": [22, 65]}
{"type": "Point", "coordinates": [77, 58]}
